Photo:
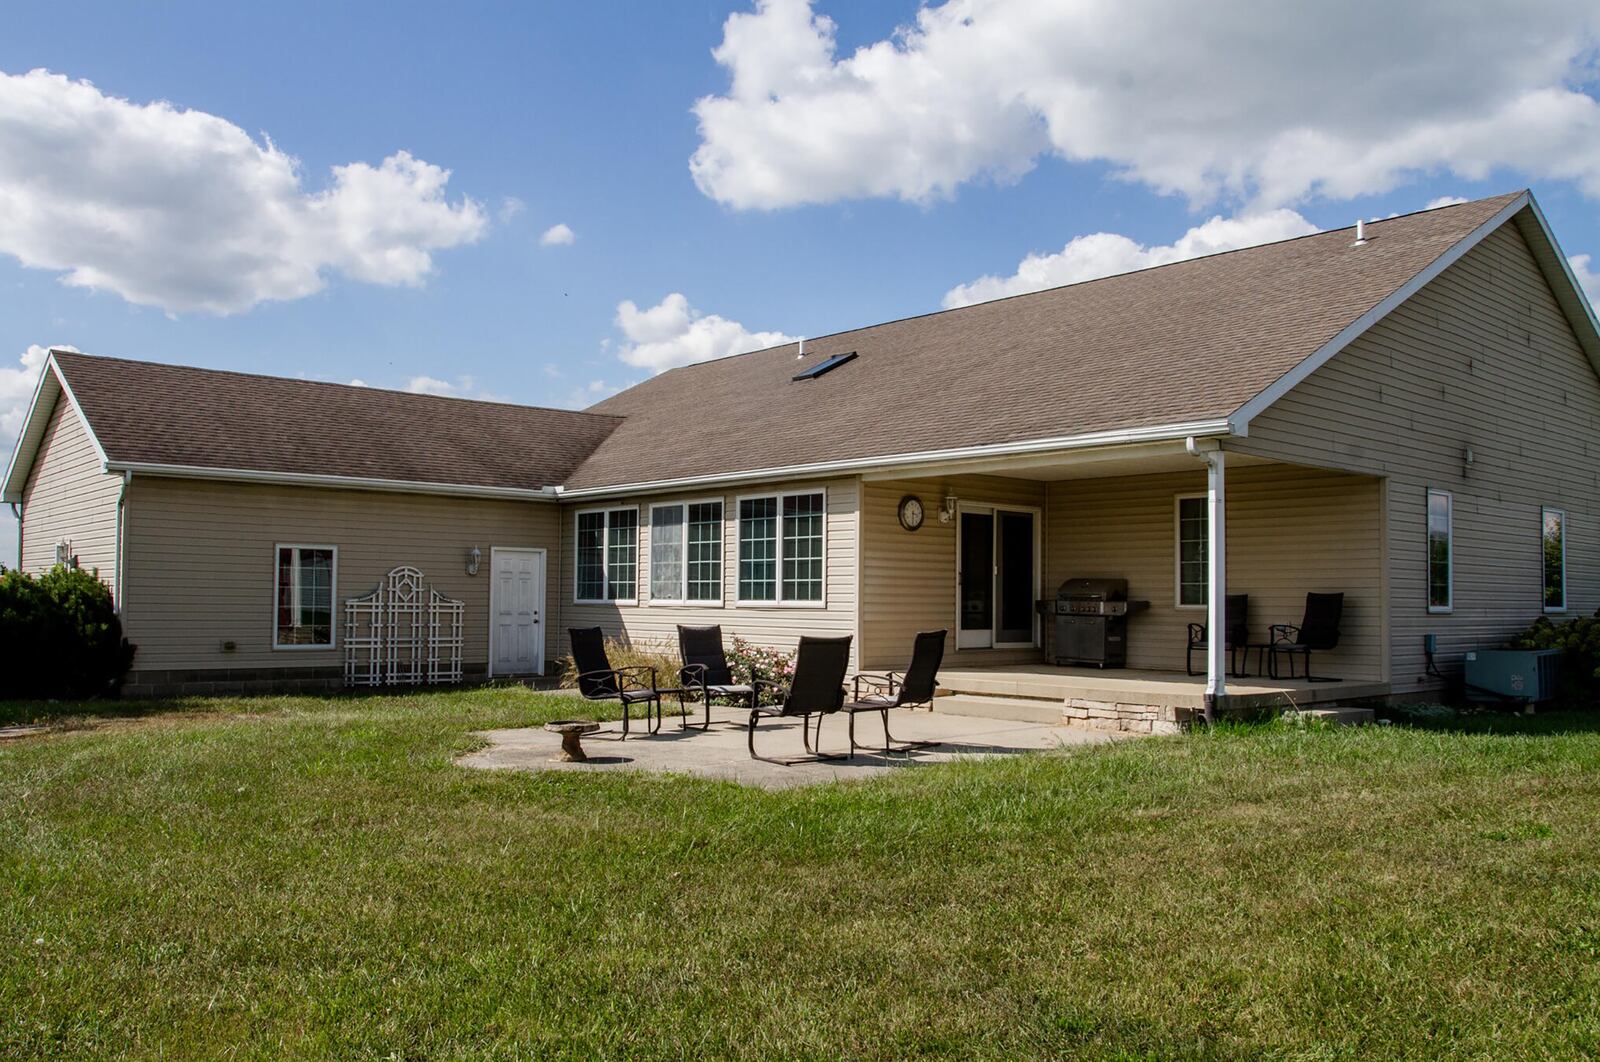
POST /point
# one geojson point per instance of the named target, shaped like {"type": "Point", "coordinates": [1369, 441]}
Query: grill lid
{"type": "Point", "coordinates": [1093, 589]}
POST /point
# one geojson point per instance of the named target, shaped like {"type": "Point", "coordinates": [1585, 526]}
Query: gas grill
{"type": "Point", "coordinates": [1091, 622]}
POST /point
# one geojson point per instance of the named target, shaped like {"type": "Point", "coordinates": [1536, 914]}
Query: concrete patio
{"type": "Point", "coordinates": [721, 752]}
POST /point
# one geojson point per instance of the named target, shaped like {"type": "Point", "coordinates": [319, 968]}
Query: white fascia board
{"type": "Point", "coordinates": [853, 466]}
{"type": "Point", "coordinates": [1239, 422]}
{"type": "Point", "coordinates": [1576, 302]}
{"type": "Point", "coordinates": [300, 479]}
{"type": "Point", "coordinates": [52, 385]}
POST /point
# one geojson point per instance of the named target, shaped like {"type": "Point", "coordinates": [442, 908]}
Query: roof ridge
{"type": "Point", "coordinates": [59, 353]}
{"type": "Point", "coordinates": [1096, 280]}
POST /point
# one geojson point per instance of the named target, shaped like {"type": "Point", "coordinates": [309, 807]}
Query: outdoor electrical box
{"type": "Point", "coordinates": [1513, 674]}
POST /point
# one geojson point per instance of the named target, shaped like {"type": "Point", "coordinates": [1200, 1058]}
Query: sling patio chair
{"type": "Point", "coordinates": [1318, 631]}
{"type": "Point", "coordinates": [706, 672]}
{"type": "Point", "coordinates": [815, 689]}
{"type": "Point", "coordinates": [599, 681]}
{"type": "Point", "coordinates": [911, 688]}
{"type": "Point", "coordinates": [1236, 613]}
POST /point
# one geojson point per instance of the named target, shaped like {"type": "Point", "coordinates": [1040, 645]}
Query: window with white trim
{"type": "Point", "coordinates": [1553, 538]}
{"type": "Point", "coordinates": [1441, 550]}
{"type": "Point", "coordinates": [303, 593]}
{"type": "Point", "coordinates": [607, 556]}
{"type": "Point", "coordinates": [782, 548]}
{"type": "Point", "coordinates": [686, 552]}
{"type": "Point", "coordinates": [1194, 543]}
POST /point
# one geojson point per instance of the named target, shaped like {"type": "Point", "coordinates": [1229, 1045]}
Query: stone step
{"type": "Point", "coordinates": [1017, 709]}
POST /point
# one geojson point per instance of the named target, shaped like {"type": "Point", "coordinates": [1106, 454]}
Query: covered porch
{"type": "Point", "coordinates": [1183, 528]}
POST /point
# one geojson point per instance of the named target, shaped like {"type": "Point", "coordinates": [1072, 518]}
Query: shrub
{"type": "Point", "coordinates": [631, 654]}
{"type": "Point", "coordinates": [60, 636]}
{"type": "Point", "coordinates": [1579, 642]}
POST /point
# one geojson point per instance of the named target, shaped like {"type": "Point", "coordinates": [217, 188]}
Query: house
{"type": "Point", "coordinates": [1410, 418]}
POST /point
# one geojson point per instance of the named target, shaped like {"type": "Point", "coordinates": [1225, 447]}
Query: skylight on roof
{"type": "Point", "coordinates": [827, 365]}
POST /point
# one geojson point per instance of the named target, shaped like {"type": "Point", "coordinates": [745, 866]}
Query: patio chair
{"type": "Point", "coordinates": [1236, 612]}
{"type": "Point", "coordinates": [913, 687]}
{"type": "Point", "coordinates": [815, 689]}
{"type": "Point", "coordinates": [706, 671]}
{"type": "Point", "coordinates": [599, 681]}
{"type": "Point", "coordinates": [1318, 631]}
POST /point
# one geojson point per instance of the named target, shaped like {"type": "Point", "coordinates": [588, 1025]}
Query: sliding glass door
{"type": "Point", "coordinates": [997, 578]}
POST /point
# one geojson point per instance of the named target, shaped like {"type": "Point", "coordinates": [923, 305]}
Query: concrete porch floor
{"type": "Point", "coordinates": [1170, 689]}
{"type": "Point", "coordinates": [721, 752]}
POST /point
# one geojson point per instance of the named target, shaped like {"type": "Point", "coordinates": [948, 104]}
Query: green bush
{"type": "Point", "coordinates": [60, 636]}
{"type": "Point", "coordinates": [747, 660]}
{"type": "Point", "coordinates": [1579, 642]}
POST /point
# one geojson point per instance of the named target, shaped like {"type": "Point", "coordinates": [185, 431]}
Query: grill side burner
{"type": "Point", "coordinates": [1091, 622]}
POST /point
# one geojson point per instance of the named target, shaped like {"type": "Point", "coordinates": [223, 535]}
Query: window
{"type": "Point", "coordinates": [1554, 538]}
{"type": "Point", "coordinates": [1194, 539]}
{"type": "Point", "coordinates": [781, 548]}
{"type": "Point", "coordinates": [824, 366]}
{"type": "Point", "coordinates": [686, 552]}
{"type": "Point", "coordinates": [302, 593]}
{"type": "Point", "coordinates": [607, 556]}
{"type": "Point", "coordinates": [1441, 580]}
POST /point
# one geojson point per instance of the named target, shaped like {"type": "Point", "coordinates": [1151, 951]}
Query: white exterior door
{"type": "Point", "coordinates": [516, 611]}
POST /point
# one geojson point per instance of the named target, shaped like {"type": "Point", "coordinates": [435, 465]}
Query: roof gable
{"type": "Point", "coordinates": [51, 390]}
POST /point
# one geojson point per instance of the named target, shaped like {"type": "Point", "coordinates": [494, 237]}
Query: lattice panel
{"type": "Point", "coordinates": [404, 633]}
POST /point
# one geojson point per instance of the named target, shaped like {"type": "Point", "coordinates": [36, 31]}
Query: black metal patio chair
{"type": "Point", "coordinates": [815, 689]}
{"type": "Point", "coordinates": [1236, 612]}
{"type": "Point", "coordinates": [915, 686]}
{"type": "Point", "coordinates": [1317, 632]}
{"type": "Point", "coordinates": [599, 681]}
{"type": "Point", "coordinates": [706, 672]}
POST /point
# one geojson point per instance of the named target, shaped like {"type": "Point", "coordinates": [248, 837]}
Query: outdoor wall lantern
{"type": "Point", "coordinates": [474, 555]}
{"type": "Point", "coordinates": [947, 509]}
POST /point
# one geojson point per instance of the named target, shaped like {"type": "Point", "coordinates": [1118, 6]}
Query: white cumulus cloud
{"type": "Point", "coordinates": [1103, 254]}
{"type": "Point", "coordinates": [185, 211]}
{"type": "Point", "coordinates": [1444, 201]}
{"type": "Point", "coordinates": [557, 235]}
{"type": "Point", "coordinates": [1588, 278]}
{"type": "Point", "coordinates": [673, 333]}
{"type": "Point", "coordinates": [16, 390]}
{"type": "Point", "coordinates": [1255, 101]}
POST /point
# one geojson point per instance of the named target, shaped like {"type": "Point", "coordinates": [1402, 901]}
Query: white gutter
{"type": "Point", "coordinates": [1121, 437]}
{"type": "Point", "coordinates": [304, 479]}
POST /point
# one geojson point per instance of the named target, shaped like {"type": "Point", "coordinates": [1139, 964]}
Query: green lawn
{"type": "Point", "coordinates": [302, 877]}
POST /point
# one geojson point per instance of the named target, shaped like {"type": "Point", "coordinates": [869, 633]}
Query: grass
{"type": "Point", "coordinates": [306, 878]}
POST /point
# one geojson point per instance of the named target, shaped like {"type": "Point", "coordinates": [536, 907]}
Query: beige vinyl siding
{"type": "Point", "coordinates": [778, 626]}
{"type": "Point", "coordinates": [67, 496]}
{"type": "Point", "coordinates": [201, 564]}
{"type": "Point", "coordinates": [909, 577]}
{"type": "Point", "coordinates": [1290, 531]}
{"type": "Point", "coordinates": [1481, 358]}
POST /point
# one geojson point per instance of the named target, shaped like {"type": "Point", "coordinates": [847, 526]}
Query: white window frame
{"type": "Point", "coordinates": [1177, 552]}
{"type": "Point", "coordinates": [1544, 514]}
{"type": "Point", "coordinates": [682, 599]}
{"type": "Point", "coordinates": [605, 555]}
{"type": "Point", "coordinates": [738, 538]}
{"type": "Point", "coordinates": [333, 598]}
{"type": "Point", "coordinates": [1450, 553]}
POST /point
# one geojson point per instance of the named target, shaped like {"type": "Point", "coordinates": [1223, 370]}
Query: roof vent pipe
{"type": "Point", "coordinates": [1361, 233]}
{"type": "Point", "coordinates": [802, 353]}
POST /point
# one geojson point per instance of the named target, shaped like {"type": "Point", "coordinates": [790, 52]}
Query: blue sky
{"type": "Point", "coordinates": [831, 187]}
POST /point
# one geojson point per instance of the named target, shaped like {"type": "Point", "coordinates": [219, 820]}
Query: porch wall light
{"type": "Point", "coordinates": [947, 508]}
{"type": "Point", "coordinates": [474, 555]}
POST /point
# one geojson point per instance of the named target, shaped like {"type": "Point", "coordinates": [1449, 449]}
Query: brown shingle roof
{"type": "Point", "coordinates": [1180, 343]}
{"type": "Point", "coordinates": [143, 413]}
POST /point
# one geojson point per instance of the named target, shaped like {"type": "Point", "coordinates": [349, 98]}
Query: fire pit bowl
{"type": "Point", "coordinates": [572, 731]}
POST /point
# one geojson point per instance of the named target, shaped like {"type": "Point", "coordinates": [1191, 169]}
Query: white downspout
{"type": "Point", "coordinates": [16, 511]}
{"type": "Point", "coordinates": [122, 537]}
{"type": "Point", "coordinates": [1216, 575]}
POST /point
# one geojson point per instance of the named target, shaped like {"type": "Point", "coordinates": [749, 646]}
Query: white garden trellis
{"type": "Point", "coordinates": [404, 633]}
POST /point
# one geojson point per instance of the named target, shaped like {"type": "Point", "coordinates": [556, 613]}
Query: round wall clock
{"type": "Point", "coordinates": [911, 513]}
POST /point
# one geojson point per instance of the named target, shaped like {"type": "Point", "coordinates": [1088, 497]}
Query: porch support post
{"type": "Point", "coordinates": [1216, 575]}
